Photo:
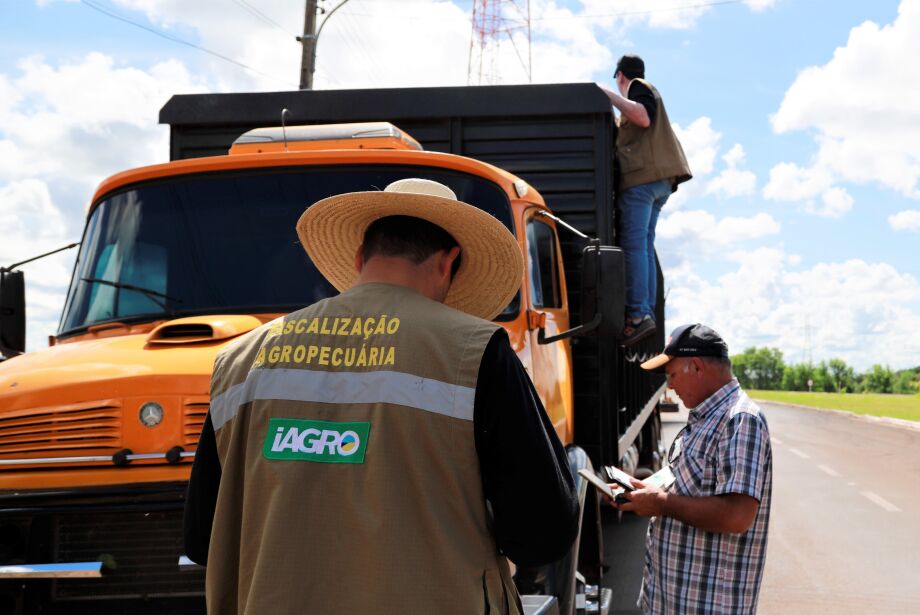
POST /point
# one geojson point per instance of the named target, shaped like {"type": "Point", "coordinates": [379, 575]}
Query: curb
{"type": "Point", "coordinates": [880, 420]}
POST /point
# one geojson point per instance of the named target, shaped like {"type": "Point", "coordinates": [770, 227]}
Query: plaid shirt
{"type": "Point", "coordinates": [725, 449]}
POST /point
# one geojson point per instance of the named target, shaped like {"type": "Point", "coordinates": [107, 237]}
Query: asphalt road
{"type": "Point", "coordinates": [845, 527]}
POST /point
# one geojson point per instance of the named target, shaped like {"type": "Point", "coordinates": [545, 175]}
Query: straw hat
{"type": "Point", "coordinates": [491, 266]}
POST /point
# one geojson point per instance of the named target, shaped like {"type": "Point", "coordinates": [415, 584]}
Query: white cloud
{"type": "Point", "coordinates": [83, 120]}
{"type": "Point", "coordinates": [698, 231]}
{"type": "Point", "coordinates": [790, 182]}
{"type": "Point", "coordinates": [734, 156]}
{"type": "Point", "coordinates": [32, 225]}
{"type": "Point", "coordinates": [360, 45]}
{"type": "Point", "coordinates": [356, 48]}
{"type": "Point", "coordinates": [229, 29]}
{"type": "Point", "coordinates": [907, 220]}
{"type": "Point", "coordinates": [835, 203]}
{"type": "Point", "coordinates": [24, 202]}
{"type": "Point", "coordinates": [863, 106]}
{"type": "Point", "coordinates": [702, 146]}
{"type": "Point", "coordinates": [760, 5]}
{"type": "Point", "coordinates": [859, 311]}
{"type": "Point", "coordinates": [733, 182]}
{"type": "Point", "coordinates": [658, 14]}
{"type": "Point", "coordinates": [566, 47]}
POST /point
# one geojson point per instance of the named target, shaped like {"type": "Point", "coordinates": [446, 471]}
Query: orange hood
{"type": "Point", "coordinates": [175, 358]}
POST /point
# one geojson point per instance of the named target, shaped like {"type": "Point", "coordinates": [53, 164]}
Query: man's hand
{"type": "Point", "coordinates": [732, 513]}
{"type": "Point", "coordinates": [645, 501]}
{"type": "Point", "coordinates": [632, 110]}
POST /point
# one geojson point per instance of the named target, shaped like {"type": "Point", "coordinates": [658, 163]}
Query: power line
{"type": "Point", "coordinates": [263, 17]}
{"type": "Point", "coordinates": [180, 41]}
{"type": "Point", "coordinates": [351, 35]}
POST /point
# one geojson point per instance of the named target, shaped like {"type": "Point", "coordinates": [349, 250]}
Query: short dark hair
{"type": "Point", "coordinates": [631, 66]}
{"type": "Point", "coordinates": [409, 237]}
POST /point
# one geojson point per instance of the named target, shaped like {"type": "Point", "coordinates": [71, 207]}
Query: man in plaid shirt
{"type": "Point", "coordinates": [707, 538]}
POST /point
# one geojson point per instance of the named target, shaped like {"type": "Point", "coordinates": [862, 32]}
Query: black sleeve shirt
{"type": "Point", "coordinates": [640, 93]}
{"type": "Point", "coordinates": [525, 473]}
{"type": "Point", "coordinates": [201, 497]}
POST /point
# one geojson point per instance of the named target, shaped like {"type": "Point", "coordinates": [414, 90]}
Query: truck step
{"type": "Point", "coordinates": [598, 603]}
{"type": "Point", "coordinates": [540, 605]}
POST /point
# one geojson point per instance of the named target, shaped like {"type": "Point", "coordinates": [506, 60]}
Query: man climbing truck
{"type": "Point", "coordinates": [179, 259]}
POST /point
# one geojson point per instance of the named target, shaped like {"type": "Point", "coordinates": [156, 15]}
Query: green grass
{"type": "Point", "coordinates": [905, 407]}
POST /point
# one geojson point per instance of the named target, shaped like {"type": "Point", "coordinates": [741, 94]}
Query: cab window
{"type": "Point", "coordinates": [541, 257]}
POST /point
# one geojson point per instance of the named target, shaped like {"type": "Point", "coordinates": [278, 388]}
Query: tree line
{"type": "Point", "coordinates": [764, 368]}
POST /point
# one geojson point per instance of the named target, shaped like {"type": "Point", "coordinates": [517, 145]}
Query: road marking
{"type": "Point", "coordinates": [827, 470]}
{"type": "Point", "coordinates": [777, 440]}
{"type": "Point", "coordinates": [877, 499]}
{"type": "Point", "coordinates": [796, 451]}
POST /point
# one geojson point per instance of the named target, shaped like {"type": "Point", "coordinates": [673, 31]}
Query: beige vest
{"type": "Point", "coordinates": [649, 154]}
{"type": "Point", "coordinates": [350, 480]}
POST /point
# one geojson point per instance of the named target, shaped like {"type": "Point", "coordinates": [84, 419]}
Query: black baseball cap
{"type": "Point", "coordinates": [694, 340]}
{"type": "Point", "coordinates": [631, 65]}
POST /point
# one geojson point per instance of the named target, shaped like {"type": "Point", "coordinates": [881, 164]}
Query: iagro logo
{"type": "Point", "coordinates": [323, 441]}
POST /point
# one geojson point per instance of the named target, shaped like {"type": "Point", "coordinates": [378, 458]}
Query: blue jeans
{"type": "Point", "coordinates": [639, 210]}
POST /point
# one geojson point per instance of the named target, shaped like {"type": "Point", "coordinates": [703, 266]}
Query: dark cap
{"type": "Point", "coordinates": [690, 341]}
{"type": "Point", "coordinates": [632, 66]}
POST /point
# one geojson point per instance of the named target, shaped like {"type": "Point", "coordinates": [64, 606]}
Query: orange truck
{"type": "Point", "coordinates": [98, 431]}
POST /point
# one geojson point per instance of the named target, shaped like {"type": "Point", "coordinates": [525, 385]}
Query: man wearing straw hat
{"type": "Point", "coordinates": [382, 450]}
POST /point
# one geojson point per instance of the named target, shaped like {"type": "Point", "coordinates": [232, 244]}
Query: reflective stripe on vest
{"type": "Point", "coordinates": [385, 387]}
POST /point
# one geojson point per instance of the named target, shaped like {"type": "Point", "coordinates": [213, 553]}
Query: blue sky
{"type": "Point", "coordinates": [801, 119]}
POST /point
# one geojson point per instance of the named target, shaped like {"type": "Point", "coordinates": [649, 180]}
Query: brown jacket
{"type": "Point", "coordinates": [646, 155]}
{"type": "Point", "coordinates": [350, 480]}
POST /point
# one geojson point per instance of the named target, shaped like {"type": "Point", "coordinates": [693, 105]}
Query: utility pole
{"type": "Point", "coordinates": [308, 40]}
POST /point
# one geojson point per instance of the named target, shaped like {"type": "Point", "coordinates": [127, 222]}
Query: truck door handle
{"type": "Point", "coordinates": [535, 320]}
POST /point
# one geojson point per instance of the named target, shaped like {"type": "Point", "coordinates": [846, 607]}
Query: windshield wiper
{"type": "Point", "coordinates": [147, 292]}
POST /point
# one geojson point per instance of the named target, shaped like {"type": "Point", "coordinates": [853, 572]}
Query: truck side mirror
{"type": "Point", "coordinates": [603, 285]}
{"type": "Point", "coordinates": [12, 313]}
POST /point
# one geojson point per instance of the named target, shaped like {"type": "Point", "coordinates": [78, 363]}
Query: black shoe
{"type": "Point", "coordinates": [635, 332]}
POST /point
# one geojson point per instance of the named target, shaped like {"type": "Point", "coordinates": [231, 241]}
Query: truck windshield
{"type": "Point", "coordinates": [224, 242]}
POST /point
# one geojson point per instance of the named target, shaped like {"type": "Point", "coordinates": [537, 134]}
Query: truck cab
{"type": "Point", "coordinates": [176, 261]}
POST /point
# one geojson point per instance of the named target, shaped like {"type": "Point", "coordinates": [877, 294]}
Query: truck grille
{"type": "Point", "coordinates": [193, 414]}
{"type": "Point", "coordinates": [140, 549]}
{"type": "Point", "coordinates": [77, 428]}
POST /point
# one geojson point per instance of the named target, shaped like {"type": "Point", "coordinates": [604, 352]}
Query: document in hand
{"type": "Point", "coordinates": [600, 485]}
{"type": "Point", "coordinates": [663, 478]}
